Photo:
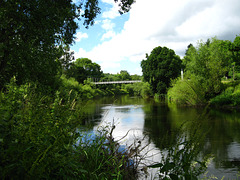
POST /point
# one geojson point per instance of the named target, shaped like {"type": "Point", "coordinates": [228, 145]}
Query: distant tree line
{"type": "Point", "coordinates": [84, 69]}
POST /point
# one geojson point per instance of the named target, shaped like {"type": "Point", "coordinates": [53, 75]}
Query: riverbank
{"type": "Point", "coordinates": [161, 124]}
{"type": "Point", "coordinates": [39, 136]}
{"type": "Point", "coordinates": [40, 139]}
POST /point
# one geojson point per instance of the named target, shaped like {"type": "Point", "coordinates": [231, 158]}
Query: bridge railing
{"type": "Point", "coordinates": [117, 82]}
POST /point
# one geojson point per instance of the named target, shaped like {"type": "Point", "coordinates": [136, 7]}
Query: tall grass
{"type": "Point", "coordinates": [182, 159]}
{"type": "Point", "coordinates": [188, 92]}
{"type": "Point", "coordinates": [39, 139]}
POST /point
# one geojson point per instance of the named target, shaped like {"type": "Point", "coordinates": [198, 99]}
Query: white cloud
{"type": "Point", "coordinates": [114, 67]}
{"type": "Point", "coordinates": [112, 12]}
{"type": "Point", "coordinates": [173, 23]}
{"type": "Point", "coordinates": [107, 35]}
{"type": "Point", "coordinates": [80, 36]}
{"type": "Point", "coordinates": [107, 24]}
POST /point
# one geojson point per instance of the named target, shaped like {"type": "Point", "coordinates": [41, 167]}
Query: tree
{"type": "Point", "coordinates": [124, 75]}
{"type": "Point", "coordinates": [136, 77]}
{"type": "Point", "coordinates": [209, 62]}
{"type": "Point", "coordinates": [236, 52]}
{"type": "Point", "coordinates": [160, 67]}
{"type": "Point", "coordinates": [33, 35]}
{"type": "Point", "coordinates": [84, 68]}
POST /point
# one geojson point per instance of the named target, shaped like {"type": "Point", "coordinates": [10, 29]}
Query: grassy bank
{"type": "Point", "coordinates": [193, 93]}
{"type": "Point", "coordinates": [229, 97]}
{"type": "Point", "coordinates": [39, 139]}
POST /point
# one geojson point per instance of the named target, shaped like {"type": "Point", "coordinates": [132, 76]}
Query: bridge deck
{"type": "Point", "coordinates": [118, 82]}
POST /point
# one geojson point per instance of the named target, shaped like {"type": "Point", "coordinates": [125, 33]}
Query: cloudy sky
{"type": "Point", "coordinates": [120, 42]}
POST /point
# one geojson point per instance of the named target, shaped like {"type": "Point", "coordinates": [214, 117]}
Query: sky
{"type": "Point", "coordinates": [120, 42]}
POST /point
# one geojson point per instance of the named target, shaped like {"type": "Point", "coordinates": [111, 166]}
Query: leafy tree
{"type": "Point", "coordinates": [109, 77]}
{"type": "Point", "coordinates": [160, 67]}
{"type": "Point", "coordinates": [84, 68]}
{"type": "Point", "coordinates": [124, 75]}
{"type": "Point", "coordinates": [209, 62]}
{"type": "Point", "coordinates": [33, 35]}
{"type": "Point", "coordinates": [236, 52]}
{"type": "Point", "coordinates": [136, 77]}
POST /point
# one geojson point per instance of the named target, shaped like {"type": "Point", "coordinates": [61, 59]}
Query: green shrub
{"type": "Point", "coordinates": [189, 92]}
{"type": "Point", "coordinates": [139, 89]}
{"type": "Point", "coordinates": [37, 133]}
{"type": "Point", "coordinates": [39, 139]}
{"type": "Point", "coordinates": [82, 91]}
{"type": "Point", "coordinates": [229, 97]}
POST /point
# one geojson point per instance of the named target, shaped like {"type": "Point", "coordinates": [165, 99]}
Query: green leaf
{"type": "Point", "coordinates": [167, 167]}
{"type": "Point", "coordinates": [173, 176]}
{"type": "Point", "coordinates": [192, 177]}
{"type": "Point", "coordinates": [83, 171]}
{"type": "Point", "coordinates": [156, 165]}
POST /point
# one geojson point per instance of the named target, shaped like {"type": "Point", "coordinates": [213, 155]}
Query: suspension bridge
{"type": "Point", "coordinates": [117, 82]}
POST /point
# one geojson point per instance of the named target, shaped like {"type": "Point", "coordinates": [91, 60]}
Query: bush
{"type": "Point", "coordinates": [139, 89]}
{"type": "Point", "coordinates": [37, 134]}
{"type": "Point", "coordinates": [188, 92]}
{"type": "Point", "coordinates": [39, 139]}
{"type": "Point", "coordinates": [229, 97]}
{"type": "Point", "coordinates": [82, 91]}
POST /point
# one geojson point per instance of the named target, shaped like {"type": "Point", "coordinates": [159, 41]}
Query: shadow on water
{"type": "Point", "coordinates": [160, 124]}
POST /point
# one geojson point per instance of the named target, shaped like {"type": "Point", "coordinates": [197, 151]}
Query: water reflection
{"type": "Point", "coordinates": [156, 121]}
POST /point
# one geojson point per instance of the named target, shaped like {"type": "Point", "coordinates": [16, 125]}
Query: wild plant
{"type": "Point", "coordinates": [39, 139]}
{"type": "Point", "coordinates": [36, 134]}
{"type": "Point", "coordinates": [181, 160]}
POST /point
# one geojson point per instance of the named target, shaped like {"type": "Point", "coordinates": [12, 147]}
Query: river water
{"type": "Point", "coordinates": [158, 123]}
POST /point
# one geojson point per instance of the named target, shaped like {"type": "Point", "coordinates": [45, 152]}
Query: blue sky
{"type": "Point", "coordinates": [119, 42]}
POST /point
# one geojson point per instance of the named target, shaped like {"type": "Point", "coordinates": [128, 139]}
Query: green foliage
{"type": "Point", "coordinates": [160, 67]}
{"type": "Point", "coordinates": [205, 66]}
{"type": "Point", "coordinates": [36, 31]}
{"type": "Point", "coordinates": [229, 97]}
{"type": "Point", "coordinates": [109, 77]}
{"type": "Point", "coordinates": [189, 92]}
{"type": "Point", "coordinates": [209, 61]}
{"type": "Point", "coordinates": [124, 75]}
{"type": "Point", "coordinates": [181, 161]}
{"type": "Point", "coordinates": [39, 139]}
{"type": "Point", "coordinates": [136, 77]}
{"type": "Point", "coordinates": [139, 89]}
{"type": "Point", "coordinates": [35, 35]}
{"type": "Point", "coordinates": [84, 68]}
{"type": "Point", "coordinates": [82, 91]}
{"type": "Point", "coordinates": [236, 52]}
{"type": "Point", "coordinates": [37, 134]}
{"type": "Point", "coordinates": [101, 158]}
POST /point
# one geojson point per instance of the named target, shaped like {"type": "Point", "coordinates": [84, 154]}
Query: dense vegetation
{"type": "Point", "coordinates": [43, 91]}
{"type": "Point", "coordinates": [40, 139]}
{"type": "Point", "coordinates": [208, 69]}
{"type": "Point", "coordinates": [41, 102]}
{"type": "Point", "coordinates": [160, 67]}
{"type": "Point", "coordinates": [82, 69]}
{"type": "Point", "coordinates": [207, 66]}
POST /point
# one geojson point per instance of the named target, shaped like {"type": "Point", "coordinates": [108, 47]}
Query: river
{"type": "Point", "coordinates": [157, 123]}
